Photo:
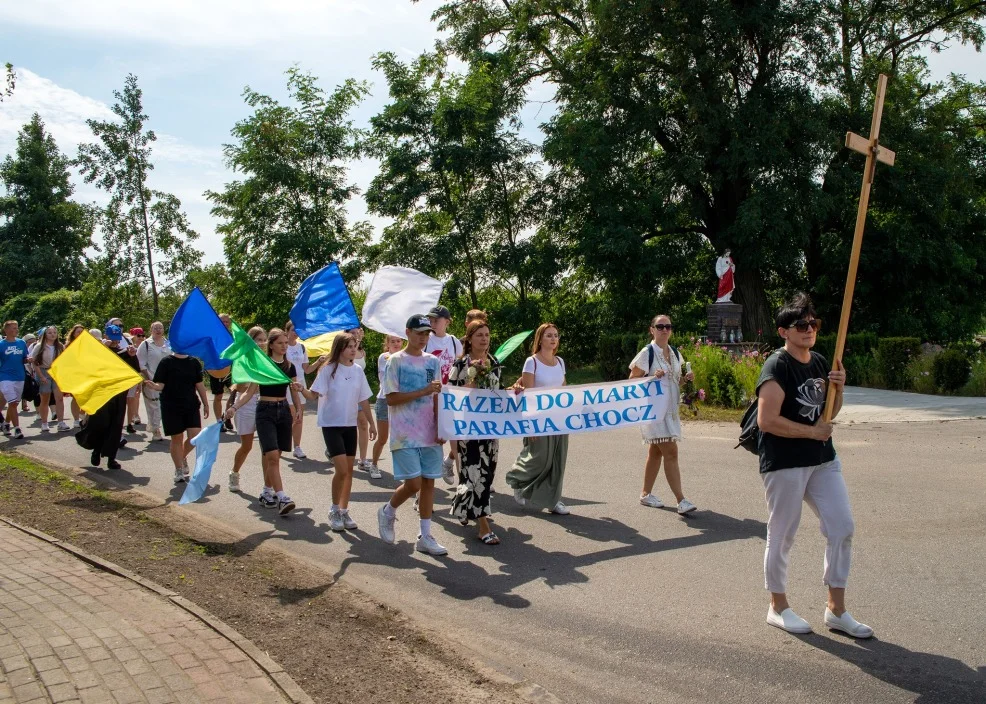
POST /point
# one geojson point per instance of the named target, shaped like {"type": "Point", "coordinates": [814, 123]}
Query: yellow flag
{"type": "Point", "coordinates": [91, 373]}
{"type": "Point", "coordinates": [320, 344]}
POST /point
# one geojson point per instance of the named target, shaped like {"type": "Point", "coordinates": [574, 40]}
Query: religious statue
{"type": "Point", "coordinates": [725, 269]}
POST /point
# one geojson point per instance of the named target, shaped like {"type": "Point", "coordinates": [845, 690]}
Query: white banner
{"type": "Point", "coordinates": [473, 414]}
{"type": "Point", "coordinates": [395, 294]}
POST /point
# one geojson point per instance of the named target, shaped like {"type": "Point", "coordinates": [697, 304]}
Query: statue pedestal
{"type": "Point", "coordinates": [723, 316]}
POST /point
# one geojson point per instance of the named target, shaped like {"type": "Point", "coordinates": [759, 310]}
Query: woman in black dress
{"type": "Point", "coordinates": [102, 431]}
{"type": "Point", "coordinates": [178, 379]}
{"type": "Point", "coordinates": [476, 368]}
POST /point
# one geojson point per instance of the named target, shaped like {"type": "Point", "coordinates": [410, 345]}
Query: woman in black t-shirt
{"type": "Point", "coordinates": [274, 421]}
{"type": "Point", "coordinates": [179, 380]}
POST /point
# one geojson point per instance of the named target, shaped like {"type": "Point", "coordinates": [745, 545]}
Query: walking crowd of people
{"type": "Point", "coordinates": [798, 462]}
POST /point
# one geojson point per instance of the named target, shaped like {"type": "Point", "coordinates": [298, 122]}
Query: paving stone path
{"type": "Point", "coordinates": [72, 633]}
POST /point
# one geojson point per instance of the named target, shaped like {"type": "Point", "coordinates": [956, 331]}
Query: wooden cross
{"type": "Point", "coordinates": [874, 153]}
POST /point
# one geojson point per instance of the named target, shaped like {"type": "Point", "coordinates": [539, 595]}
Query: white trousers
{"type": "Point", "coordinates": [152, 402]}
{"type": "Point", "coordinates": [824, 490]}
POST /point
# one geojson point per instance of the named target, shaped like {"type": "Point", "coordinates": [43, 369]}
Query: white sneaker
{"type": "Point", "coordinates": [6, 428]}
{"type": "Point", "coordinates": [686, 506]}
{"type": "Point", "coordinates": [428, 544]}
{"type": "Point", "coordinates": [77, 424]}
{"type": "Point", "coordinates": [299, 453]}
{"type": "Point", "coordinates": [63, 427]}
{"type": "Point", "coordinates": [519, 497]}
{"type": "Point", "coordinates": [385, 526]}
{"type": "Point", "coordinates": [847, 624]}
{"type": "Point", "coordinates": [284, 505]}
{"type": "Point", "coordinates": [651, 500]}
{"type": "Point", "coordinates": [374, 471]}
{"type": "Point", "coordinates": [347, 521]}
{"type": "Point", "coordinates": [335, 521]}
{"type": "Point", "coordinates": [157, 435]}
{"type": "Point", "coordinates": [448, 472]}
{"type": "Point", "coordinates": [561, 509]}
{"type": "Point", "coordinates": [234, 481]}
{"type": "Point", "coordinates": [787, 620]}
{"type": "Point", "coordinates": [360, 465]}
{"type": "Point", "coordinates": [179, 475]}
{"type": "Point", "coordinates": [44, 427]}
{"type": "Point", "coordinates": [18, 435]}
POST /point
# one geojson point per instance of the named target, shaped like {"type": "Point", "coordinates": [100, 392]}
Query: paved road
{"type": "Point", "coordinates": [622, 603]}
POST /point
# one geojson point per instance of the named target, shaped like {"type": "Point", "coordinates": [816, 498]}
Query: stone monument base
{"type": "Point", "coordinates": [724, 318]}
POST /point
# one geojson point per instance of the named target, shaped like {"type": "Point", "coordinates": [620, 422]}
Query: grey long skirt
{"type": "Point", "coordinates": [540, 470]}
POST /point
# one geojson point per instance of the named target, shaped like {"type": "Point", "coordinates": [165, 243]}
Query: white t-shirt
{"type": "Point", "coordinates": [447, 349]}
{"type": "Point", "coordinates": [382, 367]}
{"type": "Point", "coordinates": [297, 355]}
{"type": "Point", "coordinates": [360, 361]}
{"type": "Point", "coordinates": [149, 355]}
{"type": "Point", "coordinates": [545, 376]}
{"type": "Point", "coordinates": [340, 395]}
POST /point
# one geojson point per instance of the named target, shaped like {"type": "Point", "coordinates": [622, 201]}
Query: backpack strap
{"type": "Point", "coordinates": [650, 356]}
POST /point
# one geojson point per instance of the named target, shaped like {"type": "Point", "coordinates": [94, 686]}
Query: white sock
{"type": "Point", "coordinates": [389, 510]}
{"type": "Point", "coordinates": [281, 495]}
{"type": "Point", "coordinates": [268, 490]}
{"type": "Point", "coordinates": [334, 508]}
{"type": "Point", "coordinates": [425, 527]}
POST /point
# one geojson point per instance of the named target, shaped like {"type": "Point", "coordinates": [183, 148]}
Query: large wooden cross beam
{"type": "Point", "coordinates": [874, 153]}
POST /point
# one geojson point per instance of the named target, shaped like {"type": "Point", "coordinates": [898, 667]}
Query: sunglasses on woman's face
{"type": "Point", "coordinates": [663, 326]}
{"type": "Point", "coordinates": [803, 325]}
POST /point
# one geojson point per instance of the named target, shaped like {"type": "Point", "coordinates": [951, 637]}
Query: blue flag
{"type": "Point", "coordinates": [196, 330]}
{"type": "Point", "coordinates": [206, 446]}
{"type": "Point", "coordinates": [323, 304]}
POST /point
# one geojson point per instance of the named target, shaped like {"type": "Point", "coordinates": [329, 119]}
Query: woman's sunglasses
{"type": "Point", "coordinates": [663, 326]}
{"type": "Point", "coordinates": [803, 325]}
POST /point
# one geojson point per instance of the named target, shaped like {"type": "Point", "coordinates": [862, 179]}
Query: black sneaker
{"type": "Point", "coordinates": [130, 429]}
{"type": "Point", "coordinates": [285, 506]}
{"type": "Point", "coordinates": [123, 442]}
{"type": "Point", "coordinates": [268, 500]}
{"type": "Point", "coordinates": [113, 464]}
{"type": "Point", "coordinates": [94, 458]}
{"type": "Point", "coordinates": [228, 427]}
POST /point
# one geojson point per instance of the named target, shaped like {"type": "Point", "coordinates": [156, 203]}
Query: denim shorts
{"type": "Point", "coordinates": [274, 421]}
{"type": "Point", "coordinates": [414, 462]}
{"type": "Point", "coordinates": [380, 408]}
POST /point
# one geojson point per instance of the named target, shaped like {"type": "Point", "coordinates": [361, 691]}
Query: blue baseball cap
{"type": "Point", "coordinates": [419, 323]}
{"type": "Point", "coordinates": [113, 332]}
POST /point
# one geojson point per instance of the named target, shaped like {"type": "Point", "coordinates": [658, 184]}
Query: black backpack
{"type": "Point", "coordinates": [650, 355]}
{"type": "Point", "coordinates": [749, 437]}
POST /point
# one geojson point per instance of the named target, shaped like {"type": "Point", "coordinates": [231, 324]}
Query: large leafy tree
{"type": "Point", "coordinates": [44, 233]}
{"type": "Point", "coordinates": [286, 217]}
{"type": "Point", "coordinates": [710, 124]}
{"type": "Point", "coordinates": [147, 236]}
{"type": "Point", "coordinates": [461, 184]}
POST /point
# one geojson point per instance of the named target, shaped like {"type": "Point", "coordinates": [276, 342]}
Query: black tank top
{"type": "Point", "coordinates": [279, 390]}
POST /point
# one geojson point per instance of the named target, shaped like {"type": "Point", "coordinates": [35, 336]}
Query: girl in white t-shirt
{"type": "Point", "coordinates": [342, 394]}
{"type": "Point", "coordinates": [539, 472]}
{"type": "Point", "coordinates": [392, 345]}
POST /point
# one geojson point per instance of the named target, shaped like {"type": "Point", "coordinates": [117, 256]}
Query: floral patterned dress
{"type": "Point", "coordinates": [477, 458]}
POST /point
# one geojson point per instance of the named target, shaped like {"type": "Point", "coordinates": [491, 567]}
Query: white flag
{"type": "Point", "coordinates": [395, 294]}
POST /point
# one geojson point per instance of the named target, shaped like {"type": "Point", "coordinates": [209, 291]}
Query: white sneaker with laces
{"type": "Point", "coordinates": [787, 620]}
{"type": "Point", "coordinates": [299, 453]}
{"type": "Point", "coordinates": [44, 427]}
{"type": "Point", "coordinates": [335, 521]}
{"type": "Point", "coordinates": [18, 434]}
{"type": "Point", "coordinates": [157, 435]}
{"type": "Point", "coordinates": [428, 544]}
{"type": "Point", "coordinates": [77, 424]}
{"type": "Point", "coordinates": [651, 500]}
{"type": "Point", "coordinates": [448, 471]}
{"type": "Point", "coordinates": [561, 509]}
{"type": "Point", "coordinates": [63, 427]}
{"type": "Point", "coordinates": [284, 505]}
{"type": "Point", "coordinates": [179, 475]}
{"type": "Point", "coordinates": [374, 471]}
{"type": "Point", "coordinates": [519, 497]}
{"type": "Point", "coordinates": [847, 624]}
{"type": "Point", "coordinates": [385, 525]}
{"type": "Point", "coordinates": [686, 506]}
{"type": "Point", "coordinates": [347, 521]}
{"type": "Point", "coordinates": [234, 481]}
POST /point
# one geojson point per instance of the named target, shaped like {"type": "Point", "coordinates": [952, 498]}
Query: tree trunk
{"type": "Point", "coordinates": [758, 319]}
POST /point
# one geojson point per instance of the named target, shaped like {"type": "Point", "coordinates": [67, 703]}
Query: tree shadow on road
{"type": "Point", "coordinates": [936, 679]}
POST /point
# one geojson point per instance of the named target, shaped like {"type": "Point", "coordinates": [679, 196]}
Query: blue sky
{"type": "Point", "coordinates": [193, 58]}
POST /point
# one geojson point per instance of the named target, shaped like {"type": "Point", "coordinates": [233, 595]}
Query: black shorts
{"type": "Point", "coordinates": [176, 421]}
{"type": "Point", "coordinates": [340, 441]}
{"type": "Point", "coordinates": [274, 421]}
{"type": "Point", "coordinates": [216, 386]}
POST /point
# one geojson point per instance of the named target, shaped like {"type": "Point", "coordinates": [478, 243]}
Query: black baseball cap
{"type": "Point", "coordinates": [419, 323]}
{"type": "Point", "coordinates": [440, 312]}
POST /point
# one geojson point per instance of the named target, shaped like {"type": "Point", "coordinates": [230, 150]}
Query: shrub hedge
{"type": "Point", "coordinates": [893, 355]}
{"type": "Point", "coordinates": [951, 370]}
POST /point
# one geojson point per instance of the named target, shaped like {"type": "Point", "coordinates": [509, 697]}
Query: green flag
{"type": "Point", "coordinates": [510, 345]}
{"type": "Point", "coordinates": [250, 363]}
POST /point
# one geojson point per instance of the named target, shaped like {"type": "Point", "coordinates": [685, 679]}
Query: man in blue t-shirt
{"type": "Point", "coordinates": [13, 355]}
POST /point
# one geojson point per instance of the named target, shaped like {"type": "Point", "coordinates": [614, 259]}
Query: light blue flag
{"type": "Point", "coordinates": [323, 304]}
{"type": "Point", "coordinates": [206, 445]}
{"type": "Point", "coordinates": [196, 330]}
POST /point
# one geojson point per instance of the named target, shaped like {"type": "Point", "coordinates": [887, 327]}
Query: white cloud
{"type": "Point", "coordinates": [230, 23]}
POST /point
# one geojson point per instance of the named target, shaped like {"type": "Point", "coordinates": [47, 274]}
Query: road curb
{"type": "Point", "coordinates": [274, 672]}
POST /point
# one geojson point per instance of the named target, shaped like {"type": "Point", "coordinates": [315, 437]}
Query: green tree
{"type": "Point", "coordinates": [461, 184]}
{"type": "Point", "coordinates": [708, 125]}
{"type": "Point", "coordinates": [147, 236]}
{"type": "Point", "coordinates": [10, 78]}
{"type": "Point", "coordinates": [286, 218]}
{"type": "Point", "coordinates": [44, 232]}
